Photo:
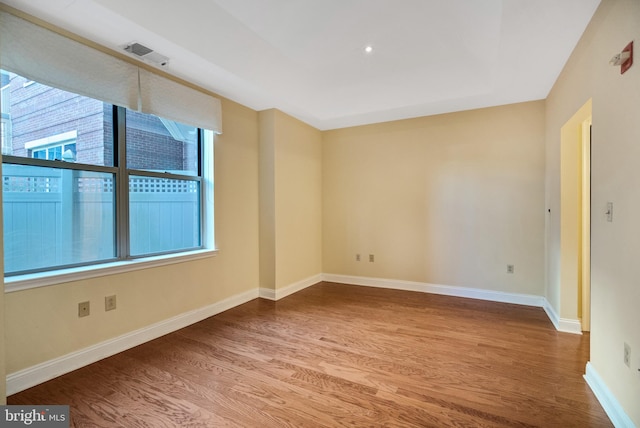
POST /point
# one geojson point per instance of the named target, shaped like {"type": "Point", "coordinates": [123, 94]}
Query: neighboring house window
{"type": "Point", "coordinates": [60, 147]}
{"type": "Point", "coordinates": [86, 182]}
{"type": "Point", "coordinates": [56, 153]}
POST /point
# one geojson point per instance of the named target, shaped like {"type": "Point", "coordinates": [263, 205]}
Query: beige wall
{"type": "Point", "coordinates": [615, 247]}
{"type": "Point", "coordinates": [267, 197]}
{"type": "Point", "coordinates": [290, 199]}
{"type": "Point", "coordinates": [42, 323]}
{"type": "Point", "coordinates": [449, 199]}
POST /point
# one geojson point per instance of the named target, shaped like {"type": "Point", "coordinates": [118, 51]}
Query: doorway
{"type": "Point", "coordinates": [575, 218]}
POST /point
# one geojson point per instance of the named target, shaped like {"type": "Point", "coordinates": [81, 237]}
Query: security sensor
{"type": "Point", "coordinates": [146, 54]}
{"type": "Point", "coordinates": [619, 59]}
{"type": "Point", "coordinates": [624, 59]}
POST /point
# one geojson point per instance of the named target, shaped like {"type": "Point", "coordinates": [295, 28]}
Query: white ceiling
{"type": "Point", "coordinates": [306, 57]}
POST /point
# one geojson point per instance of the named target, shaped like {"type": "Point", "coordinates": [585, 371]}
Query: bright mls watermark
{"type": "Point", "coordinates": [34, 416]}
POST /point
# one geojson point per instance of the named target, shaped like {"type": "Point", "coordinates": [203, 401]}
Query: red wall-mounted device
{"type": "Point", "coordinates": [627, 64]}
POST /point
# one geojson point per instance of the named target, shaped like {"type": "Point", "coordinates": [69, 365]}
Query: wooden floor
{"type": "Point", "coordinates": [337, 355]}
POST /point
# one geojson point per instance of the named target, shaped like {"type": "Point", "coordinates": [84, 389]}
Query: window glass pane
{"type": "Point", "coordinates": [55, 153]}
{"type": "Point", "coordinates": [56, 217]}
{"type": "Point", "coordinates": [48, 123]}
{"type": "Point", "coordinates": [156, 144]}
{"type": "Point", "coordinates": [164, 215]}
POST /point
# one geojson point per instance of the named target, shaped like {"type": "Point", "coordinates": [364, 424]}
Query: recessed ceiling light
{"type": "Point", "coordinates": [368, 49]}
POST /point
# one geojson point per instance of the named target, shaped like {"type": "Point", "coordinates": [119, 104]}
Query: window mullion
{"type": "Point", "coordinates": [17, 160]}
{"type": "Point", "coordinates": [168, 175]}
{"type": "Point", "coordinates": [203, 189]}
{"type": "Point", "coordinates": [122, 194]}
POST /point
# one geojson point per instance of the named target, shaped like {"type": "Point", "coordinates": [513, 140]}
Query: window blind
{"type": "Point", "coordinates": [169, 99]}
{"type": "Point", "coordinates": [48, 57]}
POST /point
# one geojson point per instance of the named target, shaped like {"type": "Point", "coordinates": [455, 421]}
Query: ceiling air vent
{"type": "Point", "coordinates": [146, 54]}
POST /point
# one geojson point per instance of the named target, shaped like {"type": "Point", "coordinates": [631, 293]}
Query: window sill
{"type": "Point", "coordinates": [42, 279]}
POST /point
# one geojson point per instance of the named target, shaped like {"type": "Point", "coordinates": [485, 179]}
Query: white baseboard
{"type": "Point", "coordinates": [565, 325]}
{"type": "Point", "coordinates": [570, 326]}
{"type": "Point", "coordinates": [270, 294]}
{"type": "Point", "coordinates": [561, 324]}
{"type": "Point", "coordinates": [31, 376]}
{"type": "Point", "coordinates": [552, 314]}
{"type": "Point", "coordinates": [609, 403]}
{"type": "Point", "coordinates": [471, 293]}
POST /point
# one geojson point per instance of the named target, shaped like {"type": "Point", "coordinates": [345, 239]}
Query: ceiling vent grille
{"type": "Point", "coordinates": [147, 54]}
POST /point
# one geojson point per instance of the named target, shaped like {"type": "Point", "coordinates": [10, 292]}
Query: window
{"type": "Point", "coordinates": [86, 182]}
{"type": "Point", "coordinates": [164, 165]}
{"type": "Point", "coordinates": [65, 152]}
{"type": "Point", "coordinates": [80, 200]}
{"type": "Point", "coordinates": [58, 147]}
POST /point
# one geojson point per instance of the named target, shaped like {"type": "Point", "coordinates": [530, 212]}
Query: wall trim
{"type": "Point", "coordinates": [60, 276]}
{"type": "Point", "coordinates": [565, 325]}
{"type": "Point", "coordinates": [34, 375]}
{"type": "Point", "coordinates": [279, 293]}
{"type": "Point", "coordinates": [552, 314]}
{"type": "Point", "coordinates": [609, 403]}
{"type": "Point", "coordinates": [570, 326]}
{"type": "Point", "coordinates": [448, 290]}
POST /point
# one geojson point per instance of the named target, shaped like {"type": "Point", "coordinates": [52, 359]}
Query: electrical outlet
{"type": "Point", "coordinates": [510, 269]}
{"type": "Point", "coordinates": [84, 309]}
{"type": "Point", "coordinates": [627, 355]}
{"type": "Point", "coordinates": [371, 258]}
{"type": "Point", "coordinates": [110, 303]}
{"type": "Point", "coordinates": [357, 257]}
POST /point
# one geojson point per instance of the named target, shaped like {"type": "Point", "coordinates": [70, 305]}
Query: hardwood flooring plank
{"type": "Point", "coordinates": [263, 391]}
{"type": "Point", "coordinates": [226, 391]}
{"type": "Point", "coordinates": [224, 413]}
{"type": "Point", "coordinates": [336, 355]}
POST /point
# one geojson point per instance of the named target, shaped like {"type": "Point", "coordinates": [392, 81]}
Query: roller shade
{"type": "Point", "coordinates": [171, 100]}
{"type": "Point", "coordinates": [50, 58]}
